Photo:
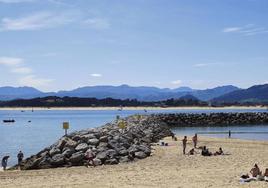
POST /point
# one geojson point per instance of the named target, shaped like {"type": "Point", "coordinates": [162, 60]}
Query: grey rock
{"type": "Point", "coordinates": [68, 152]}
{"type": "Point", "coordinates": [140, 155]}
{"type": "Point", "coordinates": [54, 151]}
{"type": "Point", "coordinates": [124, 159]}
{"type": "Point", "coordinates": [82, 147]}
{"type": "Point", "coordinates": [102, 156]}
{"type": "Point", "coordinates": [97, 162]}
{"type": "Point", "coordinates": [77, 157]}
{"type": "Point", "coordinates": [71, 143]}
{"type": "Point", "coordinates": [104, 139]}
{"type": "Point", "coordinates": [93, 141]}
{"type": "Point", "coordinates": [57, 160]}
{"type": "Point", "coordinates": [111, 161]}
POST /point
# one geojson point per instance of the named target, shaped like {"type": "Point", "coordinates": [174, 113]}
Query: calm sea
{"type": "Point", "coordinates": [33, 131]}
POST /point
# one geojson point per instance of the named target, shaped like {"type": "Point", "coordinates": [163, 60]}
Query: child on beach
{"type": "Point", "coordinates": [20, 157]}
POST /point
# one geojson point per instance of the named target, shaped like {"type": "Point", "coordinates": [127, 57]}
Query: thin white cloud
{"type": "Point", "coordinates": [97, 23]}
{"type": "Point", "coordinates": [247, 30]}
{"type": "Point", "coordinates": [205, 64]}
{"type": "Point", "coordinates": [10, 61]}
{"type": "Point", "coordinates": [17, 66]}
{"type": "Point", "coordinates": [96, 75]}
{"type": "Point", "coordinates": [16, 1]}
{"type": "Point", "coordinates": [231, 29]}
{"type": "Point", "coordinates": [176, 82]}
{"type": "Point", "coordinates": [33, 81]}
{"type": "Point", "coordinates": [22, 70]}
{"type": "Point", "coordinates": [39, 20]}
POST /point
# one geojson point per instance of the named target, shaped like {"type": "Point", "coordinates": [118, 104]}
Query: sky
{"type": "Point", "coordinates": [64, 44]}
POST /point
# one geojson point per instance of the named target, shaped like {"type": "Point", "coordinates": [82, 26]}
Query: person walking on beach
{"type": "Point", "coordinates": [195, 140]}
{"type": "Point", "coordinates": [184, 141]}
{"type": "Point", "coordinates": [20, 158]}
{"type": "Point", "coordinates": [90, 156]}
{"type": "Point", "coordinates": [4, 162]}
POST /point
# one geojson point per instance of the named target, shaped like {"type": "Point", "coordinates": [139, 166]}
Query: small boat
{"type": "Point", "coordinates": [9, 121]}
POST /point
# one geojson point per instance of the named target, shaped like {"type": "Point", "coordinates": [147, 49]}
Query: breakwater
{"type": "Point", "coordinates": [120, 141]}
{"type": "Point", "coordinates": [212, 119]}
{"type": "Point", "coordinates": [129, 139]}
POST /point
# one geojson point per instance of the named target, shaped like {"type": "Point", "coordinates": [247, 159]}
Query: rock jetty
{"type": "Point", "coordinates": [212, 119]}
{"type": "Point", "coordinates": [112, 143]}
{"type": "Point", "coordinates": [129, 139]}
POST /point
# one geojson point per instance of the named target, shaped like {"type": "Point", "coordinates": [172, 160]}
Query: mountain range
{"type": "Point", "coordinates": [142, 93]}
{"type": "Point", "coordinates": [255, 94]}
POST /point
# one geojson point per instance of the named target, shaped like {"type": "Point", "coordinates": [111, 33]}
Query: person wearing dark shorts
{"type": "Point", "coordinates": [20, 158]}
{"type": "Point", "coordinates": [4, 162]}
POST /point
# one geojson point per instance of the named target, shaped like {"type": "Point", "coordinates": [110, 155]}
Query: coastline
{"type": "Point", "coordinates": [139, 108]}
{"type": "Point", "coordinates": [167, 167]}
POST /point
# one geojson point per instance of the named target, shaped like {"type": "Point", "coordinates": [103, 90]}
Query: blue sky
{"type": "Point", "coordinates": [64, 44]}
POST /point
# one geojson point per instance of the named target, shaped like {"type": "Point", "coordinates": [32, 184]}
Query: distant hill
{"type": "Point", "coordinates": [9, 93]}
{"type": "Point", "coordinates": [209, 94]}
{"type": "Point", "coordinates": [254, 94]}
{"type": "Point", "coordinates": [54, 101]}
{"type": "Point", "coordinates": [145, 93]}
{"type": "Point", "coordinates": [142, 93]}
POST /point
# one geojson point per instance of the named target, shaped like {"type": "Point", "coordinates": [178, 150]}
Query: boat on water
{"type": "Point", "coordinates": [8, 121]}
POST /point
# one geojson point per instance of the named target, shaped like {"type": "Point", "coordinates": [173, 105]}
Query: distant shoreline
{"type": "Point", "coordinates": [138, 108]}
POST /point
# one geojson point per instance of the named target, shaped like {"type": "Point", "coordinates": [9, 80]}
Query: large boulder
{"type": "Point", "coordinates": [82, 147]}
{"type": "Point", "coordinates": [93, 141]}
{"type": "Point", "coordinates": [140, 155]}
{"type": "Point", "coordinates": [58, 160]}
{"type": "Point", "coordinates": [77, 157]}
{"type": "Point", "coordinates": [54, 151]}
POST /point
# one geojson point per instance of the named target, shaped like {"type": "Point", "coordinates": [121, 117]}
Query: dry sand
{"type": "Point", "coordinates": [140, 108]}
{"type": "Point", "coordinates": [167, 167]}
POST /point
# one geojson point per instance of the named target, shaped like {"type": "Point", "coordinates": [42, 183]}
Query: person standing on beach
{"type": "Point", "coordinates": [20, 157]}
{"type": "Point", "coordinates": [195, 140]}
{"type": "Point", "coordinates": [90, 156]}
{"type": "Point", "coordinates": [4, 162]}
{"type": "Point", "coordinates": [184, 141]}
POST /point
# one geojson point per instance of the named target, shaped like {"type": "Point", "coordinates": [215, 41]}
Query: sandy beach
{"type": "Point", "coordinates": [140, 108]}
{"type": "Point", "coordinates": [167, 167]}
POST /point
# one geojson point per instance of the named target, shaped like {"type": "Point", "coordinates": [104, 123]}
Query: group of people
{"type": "Point", "coordinates": [255, 174]}
{"type": "Point", "coordinates": [5, 160]}
{"type": "Point", "coordinates": [204, 152]}
{"type": "Point", "coordinates": [184, 142]}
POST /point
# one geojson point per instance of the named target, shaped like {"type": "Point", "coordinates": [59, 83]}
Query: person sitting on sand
{"type": "Point", "coordinates": [205, 152]}
{"type": "Point", "coordinates": [255, 171]}
{"type": "Point", "coordinates": [191, 152]}
{"type": "Point", "coordinates": [90, 156]}
{"type": "Point", "coordinates": [220, 152]}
